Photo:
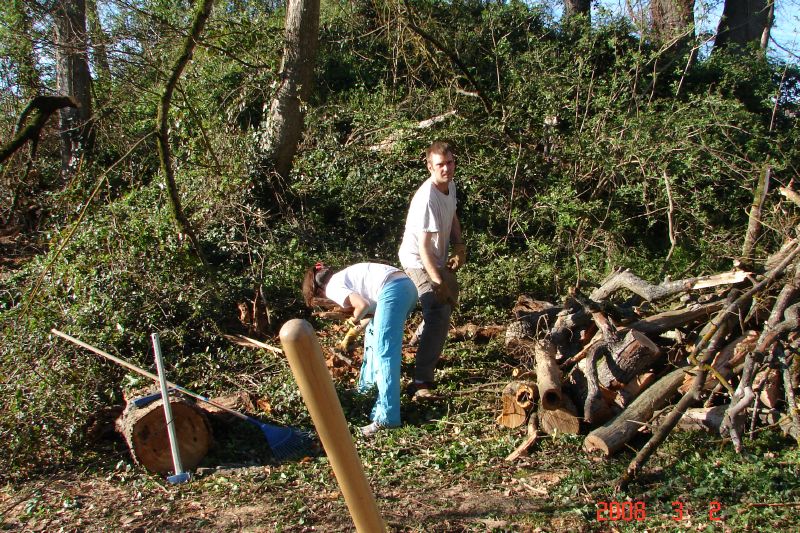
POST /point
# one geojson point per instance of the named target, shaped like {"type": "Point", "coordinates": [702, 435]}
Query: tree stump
{"type": "Point", "coordinates": [145, 431]}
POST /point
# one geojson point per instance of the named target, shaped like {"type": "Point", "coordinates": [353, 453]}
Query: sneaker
{"type": "Point", "coordinates": [421, 391]}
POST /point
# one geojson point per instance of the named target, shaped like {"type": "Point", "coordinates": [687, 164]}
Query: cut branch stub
{"type": "Point", "coordinates": [635, 354]}
{"type": "Point", "coordinates": [548, 374]}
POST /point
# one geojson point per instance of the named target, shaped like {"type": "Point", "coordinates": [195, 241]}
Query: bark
{"type": "Point", "coordinates": [633, 355]}
{"type": "Point", "coordinates": [567, 323]}
{"type": "Point", "coordinates": [792, 426]}
{"type": "Point", "coordinates": [577, 7]}
{"type": "Point", "coordinates": [775, 327]}
{"type": "Point", "coordinates": [145, 431]}
{"type": "Point", "coordinates": [669, 320]}
{"type": "Point", "coordinates": [611, 437]}
{"type": "Point", "coordinates": [73, 79]}
{"type": "Point", "coordinates": [706, 349]}
{"type": "Point", "coordinates": [595, 408]}
{"type": "Point", "coordinates": [162, 123]}
{"type": "Point", "coordinates": [724, 362]}
{"type": "Point", "coordinates": [754, 217]}
{"type": "Point", "coordinates": [285, 118]}
{"type": "Point", "coordinates": [672, 21]}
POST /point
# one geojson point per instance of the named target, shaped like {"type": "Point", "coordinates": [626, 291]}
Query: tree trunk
{"type": "Point", "coordinates": [162, 124]}
{"type": "Point", "coordinates": [73, 79]}
{"type": "Point", "coordinates": [577, 7]}
{"type": "Point", "coordinates": [743, 22]}
{"type": "Point", "coordinates": [99, 40]}
{"type": "Point", "coordinates": [672, 21]}
{"type": "Point", "coordinates": [285, 118]}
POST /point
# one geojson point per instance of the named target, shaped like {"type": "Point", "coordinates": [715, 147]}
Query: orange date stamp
{"type": "Point", "coordinates": [636, 511]}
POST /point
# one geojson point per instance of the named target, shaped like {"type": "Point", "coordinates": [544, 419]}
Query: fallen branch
{"type": "Point", "coordinates": [624, 279]}
{"type": "Point", "coordinates": [39, 110]}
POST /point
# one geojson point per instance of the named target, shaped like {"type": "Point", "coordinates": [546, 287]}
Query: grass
{"type": "Point", "coordinates": [443, 470]}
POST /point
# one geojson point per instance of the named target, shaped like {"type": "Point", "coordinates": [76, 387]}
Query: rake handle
{"type": "Point", "coordinates": [305, 358]}
{"type": "Point", "coordinates": [131, 366]}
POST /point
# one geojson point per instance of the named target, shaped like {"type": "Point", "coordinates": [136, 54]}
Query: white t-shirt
{"type": "Point", "coordinates": [431, 211]}
{"type": "Point", "coordinates": [364, 279]}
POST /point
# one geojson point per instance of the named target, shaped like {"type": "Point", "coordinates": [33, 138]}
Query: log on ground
{"type": "Point", "coordinates": [612, 436]}
{"type": "Point", "coordinates": [145, 431]}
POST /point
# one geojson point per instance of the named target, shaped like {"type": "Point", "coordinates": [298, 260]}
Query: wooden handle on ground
{"type": "Point", "coordinates": [305, 357]}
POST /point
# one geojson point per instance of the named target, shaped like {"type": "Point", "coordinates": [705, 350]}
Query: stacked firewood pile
{"type": "Point", "coordinates": [613, 363]}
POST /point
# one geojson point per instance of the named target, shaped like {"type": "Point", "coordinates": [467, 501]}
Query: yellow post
{"type": "Point", "coordinates": [305, 357]}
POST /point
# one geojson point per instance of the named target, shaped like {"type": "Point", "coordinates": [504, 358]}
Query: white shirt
{"type": "Point", "coordinates": [364, 279]}
{"type": "Point", "coordinates": [431, 211]}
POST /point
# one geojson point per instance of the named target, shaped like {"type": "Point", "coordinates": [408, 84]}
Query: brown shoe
{"type": "Point", "coordinates": [421, 391]}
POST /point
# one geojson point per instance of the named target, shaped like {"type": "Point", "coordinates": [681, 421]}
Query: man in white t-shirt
{"type": "Point", "coordinates": [431, 227]}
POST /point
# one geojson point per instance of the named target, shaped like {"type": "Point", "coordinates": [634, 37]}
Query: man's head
{"type": "Point", "coordinates": [441, 164]}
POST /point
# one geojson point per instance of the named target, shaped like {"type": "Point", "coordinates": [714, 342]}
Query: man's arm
{"type": "Point", "coordinates": [455, 231]}
{"type": "Point", "coordinates": [428, 258]}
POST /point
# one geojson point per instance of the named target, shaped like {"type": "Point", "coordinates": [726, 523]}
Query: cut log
{"type": "Point", "coordinates": [611, 437]}
{"type": "Point", "coordinates": [518, 398]}
{"type": "Point", "coordinates": [676, 318]}
{"type": "Point", "coordinates": [563, 420]}
{"type": "Point", "coordinates": [145, 431]}
{"type": "Point", "coordinates": [548, 374]}
{"type": "Point", "coordinates": [633, 388]}
{"type": "Point", "coordinates": [635, 354]}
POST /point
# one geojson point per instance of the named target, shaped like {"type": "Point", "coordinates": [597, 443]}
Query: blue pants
{"type": "Point", "coordinates": [383, 343]}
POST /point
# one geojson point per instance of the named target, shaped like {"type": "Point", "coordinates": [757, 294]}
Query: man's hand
{"type": "Point", "coordinates": [459, 257]}
{"type": "Point", "coordinates": [444, 293]}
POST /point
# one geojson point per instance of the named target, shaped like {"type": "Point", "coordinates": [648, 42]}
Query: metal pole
{"type": "Point", "coordinates": [180, 476]}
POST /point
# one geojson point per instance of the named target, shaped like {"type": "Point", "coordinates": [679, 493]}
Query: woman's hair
{"type": "Point", "coordinates": [314, 282]}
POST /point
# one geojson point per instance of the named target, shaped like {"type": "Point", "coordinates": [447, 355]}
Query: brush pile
{"type": "Point", "coordinates": [610, 364]}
